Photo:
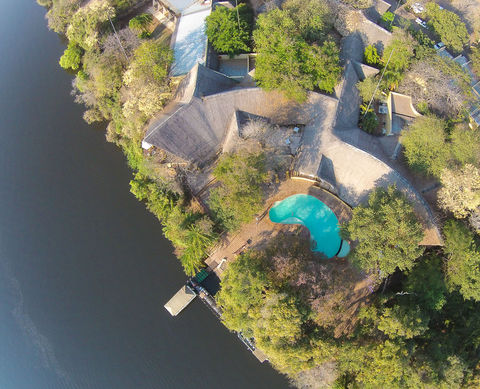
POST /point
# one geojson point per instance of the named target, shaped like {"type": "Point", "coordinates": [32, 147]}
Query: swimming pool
{"type": "Point", "coordinates": [317, 217]}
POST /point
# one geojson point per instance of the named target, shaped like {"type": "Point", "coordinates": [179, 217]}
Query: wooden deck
{"type": "Point", "coordinates": [258, 233]}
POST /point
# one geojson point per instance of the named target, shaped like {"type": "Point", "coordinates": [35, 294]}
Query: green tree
{"type": "Point", "coordinates": [371, 56]}
{"type": "Point", "coordinates": [150, 63]}
{"type": "Point", "coordinates": [387, 20]}
{"type": "Point", "coordinates": [287, 62]}
{"type": "Point", "coordinates": [388, 233]}
{"type": "Point", "coordinates": [368, 88]}
{"type": "Point", "coordinates": [368, 120]}
{"type": "Point", "coordinates": [427, 283]}
{"type": "Point", "coordinates": [60, 14]}
{"type": "Point", "coordinates": [198, 240]}
{"type": "Point", "coordinates": [72, 57]}
{"type": "Point", "coordinates": [448, 26]}
{"type": "Point", "coordinates": [400, 51]}
{"type": "Point", "coordinates": [240, 195]}
{"type": "Point", "coordinates": [45, 3]}
{"type": "Point", "coordinates": [229, 30]}
{"type": "Point", "coordinates": [463, 260]}
{"type": "Point", "coordinates": [312, 18]}
{"type": "Point", "coordinates": [241, 293]}
{"type": "Point", "coordinates": [425, 145]}
{"type": "Point", "coordinates": [86, 22]}
{"type": "Point", "coordinates": [386, 365]}
{"type": "Point", "coordinates": [460, 192]}
{"type": "Point", "coordinates": [403, 322]}
{"type": "Point", "coordinates": [475, 57]}
{"type": "Point", "coordinates": [140, 23]}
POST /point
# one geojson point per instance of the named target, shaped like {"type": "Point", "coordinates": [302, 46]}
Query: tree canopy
{"type": "Point", "coordinates": [240, 195]}
{"type": "Point", "coordinates": [388, 233]}
{"type": "Point", "coordinates": [229, 30]}
{"type": "Point", "coordinates": [425, 145]}
{"type": "Point", "coordinates": [448, 26]}
{"type": "Point", "coordinates": [293, 54]}
{"type": "Point", "coordinates": [72, 57]}
{"type": "Point", "coordinates": [463, 260]}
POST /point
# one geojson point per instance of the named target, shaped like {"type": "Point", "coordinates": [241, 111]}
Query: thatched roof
{"type": "Point", "coordinates": [195, 130]}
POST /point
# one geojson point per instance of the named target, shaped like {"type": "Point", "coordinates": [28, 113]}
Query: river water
{"type": "Point", "coordinates": [84, 268]}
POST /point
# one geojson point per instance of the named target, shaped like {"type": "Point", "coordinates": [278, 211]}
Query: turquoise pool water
{"type": "Point", "coordinates": [317, 217]}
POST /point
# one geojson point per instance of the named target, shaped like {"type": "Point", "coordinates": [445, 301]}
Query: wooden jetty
{"type": "Point", "coordinates": [180, 301]}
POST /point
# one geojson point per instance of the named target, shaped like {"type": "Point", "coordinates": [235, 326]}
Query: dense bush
{"type": "Point", "coordinates": [371, 56]}
{"type": "Point", "coordinates": [230, 30]}
{"type": "Point", "coordinates": [388, 233]}
{"type": "Point", "coordinates": [72, 57]}
{"type": "Point", "coordinates": [240, 195]}
{"type": "Point", "coordinates": [448, 26]}
{"type": "Point", "coordinates": [288, 59]}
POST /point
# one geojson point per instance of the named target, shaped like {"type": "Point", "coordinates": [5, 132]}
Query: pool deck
{"type": "Point", "coordinates": [262, 231]}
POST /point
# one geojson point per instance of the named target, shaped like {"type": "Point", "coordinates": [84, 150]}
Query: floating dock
{"type": "Point", "coordinates": [180, 301]}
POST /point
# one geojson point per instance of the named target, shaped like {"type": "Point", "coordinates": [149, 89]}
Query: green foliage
{"type": "Point", "coordinates": [425, 145]}
{"type": "Point", "coordinates": [400, 51]}
{"type": "Point", "coordinates": [253, 303]}
{"type": "Point", "coordinates": [240, 195]}
{"type": "Point", "coordinates": [140, 23]}
{"type": "Point", "coordinates": [387, 20]}
{"type": "Point", "coordinates": [367, 88]}
{"type": "Point", "coordinates": [123, 5]}
{"type": "Point", "coordinates": [403, 322]}
{"type": "Point", "coordinates": [60, 14]}
{"type": "Point", "coordinates": [371, 56]}
{"type": "Point", "coordinates": [45, 3]}
{"type": "Point", "coordinates": [462, 268]}
{"type": "Point", "coordinates": [475, 58]}
{"type": "Point", "coordinates": [448, 26]}
{"type": "Point", "coordinates": [99, 84]}
{"type": "Point", "coordinates": [312, 18]}
{"type": "Point", "coordinates": [388, 233]}
{"type": "Point", "coordinates": [191, 233]}
{"type": "Point", "coordinates": [368, 120]}
{"type": "Point", "coordinates": [229, 30]}
{"type": "Point", "coordinates": [72, 57]}
{"type": "Point", "coordinates": [242, 291]}
{"type": "Point", "coordinates": [426, 282]}
{"type": "Point", "coordinates": [150, 62]}
{"type": "Point", "coordinates": [86, 22]}
{"type": "Point", "coordinates": [287, 61]}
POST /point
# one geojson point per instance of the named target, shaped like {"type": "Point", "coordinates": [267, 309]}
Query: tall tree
{"type": "Point", "coordinates": [463, 262]}
{"type": "Point", "coordinates": [287, 61]}
{"type": "Point", "coordinates": [448, 26]}
{"type": "Point", "coordinates": [425, 145]}
{"type": "Point", "coordinates": [240, 195]}
{"type": "Point", "coordinates": [229, 30]}
{"type": "Point", "coordinates": [388, 233]}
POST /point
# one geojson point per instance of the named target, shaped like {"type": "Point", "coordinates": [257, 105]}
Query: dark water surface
{"type": "Point", "coordinates": [84, 269]}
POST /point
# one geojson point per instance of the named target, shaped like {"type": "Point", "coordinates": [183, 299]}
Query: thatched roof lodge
{"type": "Point", "coordinates": [197, 126]}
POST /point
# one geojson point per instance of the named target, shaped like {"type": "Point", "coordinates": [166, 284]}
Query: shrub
{"type": "Point", "coordinates": [425, 145]}
{"type": "Point", "coordinates": [229, 30]}
{"type": "Point", "coordinates": [371, 56]}
{"type": "Point", "coordinates": [140, 23]}
{"type": "Point", "coordinates": [72, 57]}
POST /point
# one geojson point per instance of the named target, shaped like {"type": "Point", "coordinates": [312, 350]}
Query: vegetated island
{"type": "Point", "coordinates": [249, 125]}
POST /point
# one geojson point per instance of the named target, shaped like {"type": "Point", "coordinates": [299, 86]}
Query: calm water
{"type": "Point", "coordinates": [84, 269]}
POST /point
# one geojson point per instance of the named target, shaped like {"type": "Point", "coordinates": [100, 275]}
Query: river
{"type": "Point", "coordinates": [84, 268]}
